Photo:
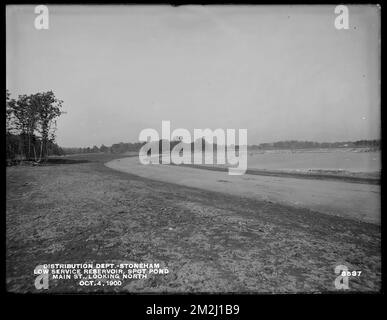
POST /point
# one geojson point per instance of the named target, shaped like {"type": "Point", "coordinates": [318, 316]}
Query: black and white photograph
{"type": "Point", "coordinates": [193, 149]}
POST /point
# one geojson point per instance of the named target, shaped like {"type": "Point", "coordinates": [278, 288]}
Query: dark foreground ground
{"type": "Point", "coordinates": [81, 211]}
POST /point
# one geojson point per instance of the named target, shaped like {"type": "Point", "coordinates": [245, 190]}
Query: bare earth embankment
{"type": "Point", "coordinates": [341, 197]}
{"type": "Point", "coordinates": [211, 241]}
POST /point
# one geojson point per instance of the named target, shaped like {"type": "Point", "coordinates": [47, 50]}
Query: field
{"type": "Point", "coordinates": [77, 210]}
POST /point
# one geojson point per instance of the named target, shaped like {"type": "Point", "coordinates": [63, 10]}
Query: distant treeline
{"type": "Point", "coordinates": [117, 148]}
{"type": "Point", "coordinates": [292, 144]}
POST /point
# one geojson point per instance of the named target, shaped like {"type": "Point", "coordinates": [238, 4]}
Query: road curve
{"type": "Point", "coordinates": [351, 200]}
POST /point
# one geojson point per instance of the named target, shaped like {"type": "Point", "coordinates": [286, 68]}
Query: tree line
{"type": "Point", "coordinates": [122, 147]}
{"type": "Point", "coordinates": [115, 148]}
{"type": "Point", "coordinates": [295, 144]}
{"type": "Point", "coordinates": [31, 125]}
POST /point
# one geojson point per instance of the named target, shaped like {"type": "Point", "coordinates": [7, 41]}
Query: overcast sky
{"type": "Point", "coordinates": [281, 72]}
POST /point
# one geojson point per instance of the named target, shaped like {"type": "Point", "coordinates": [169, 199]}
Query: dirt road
{"type": "Point", "coordinates": [350, 200]}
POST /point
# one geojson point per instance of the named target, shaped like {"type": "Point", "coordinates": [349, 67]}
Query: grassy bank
{"type": "Point", "coordinates": [77, 210]}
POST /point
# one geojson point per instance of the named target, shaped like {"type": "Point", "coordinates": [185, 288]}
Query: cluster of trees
{"type": "Point", "coordinates": [31, 125]}
{"type": "Point", "coordinates": [294, 144]}
{"type": "Point", "coordinates": [115, 148]}
{"type": "Point", "coordinates": [119, 148]}
{"type": "Point", "coordinates": [94, 149]}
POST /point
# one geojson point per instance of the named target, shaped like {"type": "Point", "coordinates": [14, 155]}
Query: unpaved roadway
{"type": "Point", "coordinates": [351, 200]}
